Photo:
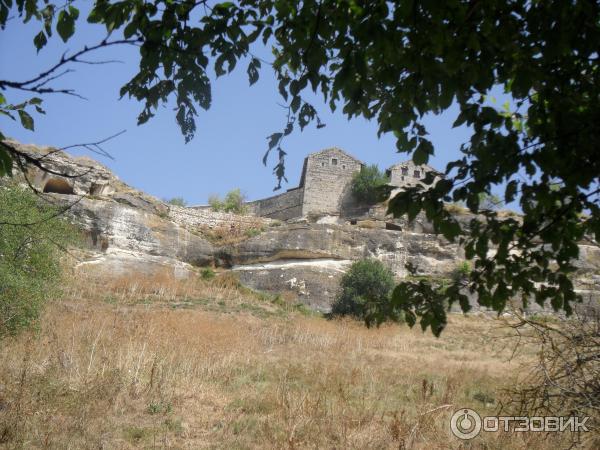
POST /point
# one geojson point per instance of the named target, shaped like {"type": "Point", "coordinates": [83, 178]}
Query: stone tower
{"type": "Point", "coordinates": [326, 180]}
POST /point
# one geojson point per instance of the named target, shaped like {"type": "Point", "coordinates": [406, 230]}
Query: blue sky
{"type": "Point", "coordinates": [231, 137]}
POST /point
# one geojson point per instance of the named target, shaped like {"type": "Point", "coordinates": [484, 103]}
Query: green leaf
{"type": "Point", "coordinates": [253, 71]}
{"type": "Point", "coordinates": [40, 40]}
{"type": "Point", "coordinates": [26, 119]}
{"type": "Point", "coordinates": [65, 25]}
{"type": "Point", "coordinates": [274, 139]}
{"type": "Point", "coordinates": [295, 103]}
{"type": "Point", "coordinates": [130, 29]}
{"type": "Point", "coordinates": [511, 191]}
{"type": "Point", "coordinates": [421, 154]}
{"type": "Point", "coordinates": [73, 12]}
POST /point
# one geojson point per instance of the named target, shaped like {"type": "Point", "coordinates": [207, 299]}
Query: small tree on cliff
{"type": "Point", "coordinates": [368, 185]}
{"type": "Point", "coordinates": [234, 202]}
{"type": "Point", "coordinates": [366, 293]}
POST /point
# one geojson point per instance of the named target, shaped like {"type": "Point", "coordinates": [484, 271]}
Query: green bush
{"type": "Point", "coordinates": [215, 202]}
{"type": "Point", "coordinates": [461, 271]}
{"type": "Point", "coordinates": [207, 273]}
{"type": "Point", "coordinates": [234, 202]}
{"type": "Point", "coordinates": [32, 234]}
{"type": "Point", "coordinates": [177, 201]}
{"type": "Point", "coordinates": [368, 185]}
{"type": "Point", "coordinates": [366, 293]}
{"type": "Point", "coordinates": [251, 232]}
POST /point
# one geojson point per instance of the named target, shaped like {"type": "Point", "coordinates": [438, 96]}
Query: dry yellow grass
{"type": "Point", "coordinates": [105, 370]}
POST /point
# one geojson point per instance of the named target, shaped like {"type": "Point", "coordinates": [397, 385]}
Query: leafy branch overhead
{"type": "Point", "coordinates": [394, 62]}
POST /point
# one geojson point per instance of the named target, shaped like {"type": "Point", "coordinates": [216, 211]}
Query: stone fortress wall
{"type": "Point", "coordinates": [285, 206]}
{"type": "Point", "coordinates": [324, 187]}
{"type": "Point", "coordinates": [193, 217]}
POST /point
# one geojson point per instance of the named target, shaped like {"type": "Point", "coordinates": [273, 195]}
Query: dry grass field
{"type": "Point", "coordinates": [158, 363]}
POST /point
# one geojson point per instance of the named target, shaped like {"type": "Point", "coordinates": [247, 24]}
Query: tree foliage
{"type": "Point", "coordinates": [365, 293]}
{"type": "Point", "coordinates": [234, 202]}
{"type": "Point", "coordinates": [489, 201]}
{"type": "Point", "coordinates": [368, 185]}
{"type": "Point", "coordinates": [31, 238]}
{"type": "Point", "coordinates": [177, 201]}
{"type": "Point", "coordinates": [394, 62]}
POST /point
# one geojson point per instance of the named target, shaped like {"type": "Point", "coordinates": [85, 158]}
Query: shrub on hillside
{"type": "Point", "coordinates": [207, 273]}
{"type": "Point", "coordinates": [234, 202]}
{"type": "Point", "coordinates": [368, 185]}
{"type": "Point", "coordinates": [177, 201]}
{"type": "Point", "coordinates": [215, 202]}
{"type": "Point", "coordinates": [461, 271]}
{"type": "Point", "coordinates": [32, 234]}
{"type": "Point", "coordinates": [365, 293]}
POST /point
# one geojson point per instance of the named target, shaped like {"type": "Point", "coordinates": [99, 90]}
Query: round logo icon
{"type": "Point", "coordinates": [465, 424]}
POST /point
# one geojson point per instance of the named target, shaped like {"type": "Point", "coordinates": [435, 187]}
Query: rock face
{"type": "Point", "coordinates": [129, 231]}
{"type": "Point", "coordinates": [309, 259]}
{"type": "Point", "coordinates": [142, 239]}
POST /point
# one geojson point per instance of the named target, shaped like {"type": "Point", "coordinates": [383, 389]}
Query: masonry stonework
{"type": "Point", "coordinates": [408, 173]}
{"type": "Point", "coordinates": [327, 178]}
{"type": "Point", "coordinates": [325, 187]}
{"type": "Point", "coordinates": [282, 207]}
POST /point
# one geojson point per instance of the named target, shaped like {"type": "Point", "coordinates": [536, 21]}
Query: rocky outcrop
{"type": "Point", "coordinates": [309, 259]}
{"type": "Point", "coordinates": [115, 226]}
{"type": "Point", "coordinates": [130, 231]}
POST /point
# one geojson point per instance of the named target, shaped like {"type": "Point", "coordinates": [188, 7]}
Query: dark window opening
{"type": "Point", "coordinates": [99, 189]}
{"type": "Point", "coordinates": [392, 226]}
{"type": "Point", "coordinates": [322, 164]}
{"type": "Point", "coordinates": [58, 186]}
{"type": "Point", "coordinates": [405, 171]}
{"type": "Point", "coordinates": [334, 161]}
{"type": "Point", "coordinates": [417, 174]}
{"type": "Point", "coordinates": [343, 166]}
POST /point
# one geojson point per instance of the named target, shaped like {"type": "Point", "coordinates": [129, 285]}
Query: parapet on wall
{"type": "Point", "coordinates": [287, 205]}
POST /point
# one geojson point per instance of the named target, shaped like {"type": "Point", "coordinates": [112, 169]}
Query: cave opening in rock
{"type": "Point", "coordinates": [392, 226]}
{"type": "Point", "coordinates": [58, 186]}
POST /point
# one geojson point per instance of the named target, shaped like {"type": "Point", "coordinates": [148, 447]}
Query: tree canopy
{"type": "Point", "coordinates": [365, 293]}
{"type": "Point", "coordinates": [368, 185]}
{"type": "Point", "coordinates": [32, 233]}
{"type": "Point", "coordinates": [394, 62]}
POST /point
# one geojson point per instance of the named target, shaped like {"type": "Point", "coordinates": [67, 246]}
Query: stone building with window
{"type": "Point", "coordinates": [325, 186]}
{"type": "Point", "coordinates": [408, 173]}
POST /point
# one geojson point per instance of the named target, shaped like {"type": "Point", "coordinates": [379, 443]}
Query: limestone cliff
{"type": "Point", "coordinates": [130, 231]}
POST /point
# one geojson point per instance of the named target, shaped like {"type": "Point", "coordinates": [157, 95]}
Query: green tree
{"type": "Point", "coordinates": [234, 202]}
{"type": "Point", "coordinates": [489, 201]}
{"type": "Point", "coordinates": [368, 185]}
{"type": "Point", "coordinates": [177, 201]}
{"type": "Point", "coordinates": [393, 62]}
{"type": "Point", "coordinates": [365, 293]}
{"type": "Point", "coordinates": [32, 236]}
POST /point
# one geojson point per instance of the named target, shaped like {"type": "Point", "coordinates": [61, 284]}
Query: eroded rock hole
{"type": "Point", "coordinates": [58, 186]}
